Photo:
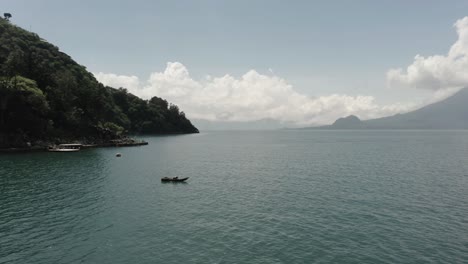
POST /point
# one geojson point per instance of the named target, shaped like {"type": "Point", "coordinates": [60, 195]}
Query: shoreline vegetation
{"type": "Point", "coordinates": [42, 148]}
{"type": "Point", "coordinates": [46, 98]}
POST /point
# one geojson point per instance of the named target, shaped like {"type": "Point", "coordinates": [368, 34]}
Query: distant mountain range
{"type": "Point", "coordinates": [451, 113]}
{"type": "Point", "coordinates": [263, 124]}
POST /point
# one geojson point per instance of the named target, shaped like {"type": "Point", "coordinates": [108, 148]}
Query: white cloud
{"type": "Point", "coordinates": [437, 72]}
{"type": "Point", "coordinates": [251, 97]}
{"type": "Point", "coordinates": [118, 81]}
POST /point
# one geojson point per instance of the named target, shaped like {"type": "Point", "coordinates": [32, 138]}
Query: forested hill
{"type": "Point", "coordinates": [46, 96]}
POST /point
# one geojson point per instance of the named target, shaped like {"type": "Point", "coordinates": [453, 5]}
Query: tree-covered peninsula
{"type": "Point", "coordinates": [46, 97]}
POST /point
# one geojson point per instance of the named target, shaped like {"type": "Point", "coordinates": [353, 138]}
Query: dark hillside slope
{"type": "Point", "coordinates": [46, 96]}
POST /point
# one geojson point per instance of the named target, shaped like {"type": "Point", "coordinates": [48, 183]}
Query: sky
{"type": "Point", "coordinates": [298, 63]}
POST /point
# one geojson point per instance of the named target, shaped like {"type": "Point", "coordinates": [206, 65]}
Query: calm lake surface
{"type": "Point", "coordinates": [252, 197]}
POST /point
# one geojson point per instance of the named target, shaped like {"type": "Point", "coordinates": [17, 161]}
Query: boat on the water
{"type": "Point", "coordinates": [65, 148]}
{"type": "Point", "coordinates": [174, 179]}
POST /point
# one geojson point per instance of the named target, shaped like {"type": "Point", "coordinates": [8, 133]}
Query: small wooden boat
{"type": "Point", "coordinates": [174, 179]}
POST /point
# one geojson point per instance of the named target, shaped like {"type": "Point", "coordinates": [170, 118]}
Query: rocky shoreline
{"type": "Point", "coordinates": [115, 143]}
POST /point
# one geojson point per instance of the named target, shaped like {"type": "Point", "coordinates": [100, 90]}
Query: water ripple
{"type": "Point", "coordinates": [252, 197]}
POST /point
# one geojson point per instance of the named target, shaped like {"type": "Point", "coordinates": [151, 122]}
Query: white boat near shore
{"type": "Point", "coordinates": [66, 148]}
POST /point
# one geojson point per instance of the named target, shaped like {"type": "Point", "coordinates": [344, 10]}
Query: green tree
{"type": "Point", "coordinates": [23, 107]}
{"type": "Point", "coordinates": [7, 16]}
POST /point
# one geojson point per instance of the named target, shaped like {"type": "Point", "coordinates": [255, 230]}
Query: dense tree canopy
{"type": "Point", "coordinates": [44, 94]}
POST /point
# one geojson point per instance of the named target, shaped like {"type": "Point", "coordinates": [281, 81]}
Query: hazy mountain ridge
{"type": "Point", "coordinates": [450, 113]}
{"type": "Point", "coordinates": [263, 124]}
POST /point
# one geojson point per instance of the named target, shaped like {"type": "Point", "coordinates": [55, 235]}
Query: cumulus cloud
{"type": "Point", "coordinates": [439, 71]}
{"type": "Point", "coordinates": [251, 97]}
{"type": "Point", "coordinates": [118, 81]}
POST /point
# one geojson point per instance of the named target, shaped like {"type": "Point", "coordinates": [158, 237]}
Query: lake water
{"type": "Point", "coordinates": [252, 197]}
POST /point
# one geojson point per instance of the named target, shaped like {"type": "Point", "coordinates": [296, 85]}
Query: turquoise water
{"type": "Point", "coordinates": [252, 197]}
